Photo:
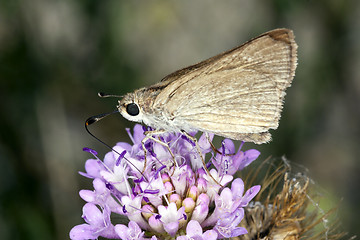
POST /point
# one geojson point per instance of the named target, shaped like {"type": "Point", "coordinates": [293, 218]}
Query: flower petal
{"type": "Point", "coordinates": [82, 232]}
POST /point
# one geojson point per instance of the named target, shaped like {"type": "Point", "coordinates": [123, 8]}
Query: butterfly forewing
{"type": "Point", "coordinates": [238, 94]}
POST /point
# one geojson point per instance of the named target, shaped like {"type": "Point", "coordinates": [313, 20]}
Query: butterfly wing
{"type": "Point", "coordinates": [238, 94]}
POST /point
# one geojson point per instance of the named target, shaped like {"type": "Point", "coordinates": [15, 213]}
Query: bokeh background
{"type": "Point", "coordinates": [56, 55]}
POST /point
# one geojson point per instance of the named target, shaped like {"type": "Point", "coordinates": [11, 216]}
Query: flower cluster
{"type": "Point", "coordinates": [167, 195]}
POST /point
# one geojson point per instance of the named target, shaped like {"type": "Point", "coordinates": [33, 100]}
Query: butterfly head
{"type": "Point", "coordinates": [129, 108]}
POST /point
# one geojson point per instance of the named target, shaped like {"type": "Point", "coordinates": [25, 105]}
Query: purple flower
{"type": "Point", "coordinates": [97, 224]}
{"type": "Point", "coordinates": [100, 196]}
{"type": "Point", "coordinates": [229, 162]}
{"type": "Point", "coordinates": [170, 194]}
{"type": "Point", "coordinates": [227, 225]}
{"type": "Point", "coordinates": [171, 217]}
{"type": "Point", "coordinates": [129, 233]}
{"type": "Point", "coordinates": [230, 200]}
{"type": "Point", "coordinates": [194, 231]}
{"type": "Point", "coordinates": [237, 189]}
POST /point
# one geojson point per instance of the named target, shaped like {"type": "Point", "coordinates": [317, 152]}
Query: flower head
{"type": "Point", "coordinates": [170, 194]}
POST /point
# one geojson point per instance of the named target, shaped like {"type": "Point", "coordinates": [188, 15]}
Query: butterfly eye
{"type": "Point", "coordinates": [132, 109]}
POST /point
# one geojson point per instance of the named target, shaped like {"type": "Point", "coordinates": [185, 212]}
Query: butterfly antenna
{"type": "Point", "coordinates": [105, 95]}
{"type": "Point", "coordinates": [97, 118]}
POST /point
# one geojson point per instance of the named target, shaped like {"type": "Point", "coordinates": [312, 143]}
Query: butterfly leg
{"type": "Point", "coordinates": [200, 154]}
{"type": "Point", "coordinates": [214, 148]}
{"type": "Point", "coordinates": [150, 135]}
{"type": "Point", "coordinates": [211, 144]}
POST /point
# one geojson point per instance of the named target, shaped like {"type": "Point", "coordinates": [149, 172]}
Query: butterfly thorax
{"type": "Point", "coordinates": [154, 116]}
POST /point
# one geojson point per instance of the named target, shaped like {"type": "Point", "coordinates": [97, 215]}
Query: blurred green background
{"type": "Point", "coordinates": [56, 55]}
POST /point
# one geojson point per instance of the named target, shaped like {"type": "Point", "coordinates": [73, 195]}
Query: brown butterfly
{"type": "Point", "coordinates": [237, 94]}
